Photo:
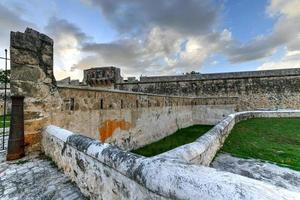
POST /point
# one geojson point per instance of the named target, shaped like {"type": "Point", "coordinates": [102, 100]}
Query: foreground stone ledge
{"type": "Point", "coordinates": [103, 171]}
{"type": "Point", "coordinates": [260, 170]}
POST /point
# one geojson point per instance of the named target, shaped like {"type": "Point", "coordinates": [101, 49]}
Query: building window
{"type": "Point", "coordinates": [137, 103]}
{"type": "Point", "coordinates": [72, 106]}
{"type": "Point", "coordinates": [101, 104]}
{"type": "Point", "coordinates": [122, 104]}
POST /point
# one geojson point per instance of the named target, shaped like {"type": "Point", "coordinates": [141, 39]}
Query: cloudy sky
{"type": "Point", "coordinates": [161, 37]}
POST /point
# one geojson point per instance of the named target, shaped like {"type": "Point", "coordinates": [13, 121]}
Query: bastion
{"type": "Point", "coordinates": [88, 130]}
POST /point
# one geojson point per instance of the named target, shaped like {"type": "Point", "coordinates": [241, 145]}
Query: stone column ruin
{"type": "Point", "coordinates": [31, 55]}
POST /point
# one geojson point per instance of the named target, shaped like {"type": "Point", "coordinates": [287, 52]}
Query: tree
{"type": "Point", "coordinates": [2, 76]}
{"type": "Point", "coordinates": [192, 72]}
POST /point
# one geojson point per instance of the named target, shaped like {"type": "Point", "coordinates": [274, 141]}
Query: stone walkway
{"type": "Point", "coordinates": [34, 178]}
{"type": "Point", "coordinates": [256, 169]}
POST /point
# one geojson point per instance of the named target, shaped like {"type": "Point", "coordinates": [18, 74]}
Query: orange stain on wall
{"type": "Point", "coordinates": [109, 126]}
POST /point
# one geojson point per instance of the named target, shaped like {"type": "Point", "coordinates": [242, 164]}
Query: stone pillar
{"type": "Point", "coordinates": [31, 55]}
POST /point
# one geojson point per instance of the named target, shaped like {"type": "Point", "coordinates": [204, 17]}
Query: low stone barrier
{"type": "Point", "coordinates": [103, 171]}
{"type": "Point", "coordinates": [204, 149]}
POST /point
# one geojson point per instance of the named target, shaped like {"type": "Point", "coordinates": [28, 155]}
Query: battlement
{"type": "Point", "coordinates": [102, 76]}
{"type": "Point", "coordinates": [144, 112]}
{"type": "Point", "coordinates": [226, 75]}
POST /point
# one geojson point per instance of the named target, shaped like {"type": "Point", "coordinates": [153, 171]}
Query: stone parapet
{"type": "Point", "coordinates": [275, 89]}
{"type": "Point", "coordinates": [225, 75]}
{"type": "Point", "coordinates": [203, 150]}
{"type": "Point", "coordinates": [103, 171]}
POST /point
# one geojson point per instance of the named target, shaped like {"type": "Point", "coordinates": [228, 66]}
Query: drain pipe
{"type": "Point", "coordinates": [15, 149]}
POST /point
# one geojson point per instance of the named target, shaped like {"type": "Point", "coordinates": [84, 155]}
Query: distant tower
{"type": "Point", "coordinates": [102, 77]}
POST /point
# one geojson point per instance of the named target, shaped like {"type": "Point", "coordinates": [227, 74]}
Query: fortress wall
{"type": "Point", "coordinates": [256, 90]}
{"type": "Point", "coordinates": [131, 120]}
{"type": "Point", "coordinates": [126, 119]}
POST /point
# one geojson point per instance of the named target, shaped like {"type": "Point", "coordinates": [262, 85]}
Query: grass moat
{"type": "Point", "coordinates": [271, 139]}
{"type": "Point", "coordinates": [180, 137]}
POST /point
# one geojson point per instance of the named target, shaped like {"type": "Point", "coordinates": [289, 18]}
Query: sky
{"type": "Point", "coordinates": [160, 37]}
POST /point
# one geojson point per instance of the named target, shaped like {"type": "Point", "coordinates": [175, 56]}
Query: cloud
{"type": "Point", "coordinates": [290, 60]}
{"type": "Point", "coordinates": [179, 36]}
{"type": "Point", "coordinates": [68, 38]}
{"type": "Point", "coordinates": [68, 41]}
{"type": "Point", "coordinates": [289, 9]}
{"type": "Point", "coordinates": [161, 36]}
{"type": "Point", "coordinates": [157, 37]}
{"type": "Point", "coordinates": [160, 51]}
{"type": "Point", "coordinates": [285, 32]}
{"type": "Point", "coordinates": [56, 27]}
{"type": "Point", "coordinates": [119, 53]}
{"type": "Point", "coordinates": [11, 21]}
{"type": "Point", "coordinates": [188, 16]}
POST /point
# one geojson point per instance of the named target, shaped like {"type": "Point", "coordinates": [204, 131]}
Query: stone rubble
{"type": "Point", "coordinates": [33, 178]}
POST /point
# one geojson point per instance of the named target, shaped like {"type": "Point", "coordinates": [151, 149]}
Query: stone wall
{"type": "Point", "coordinates": [103, 171]}
{"type": "Point", "coordinates": [256, 90]}
{"type": "Point", "coordinates": [131, 120]}
{"type": "Point", "coordinates": [126, 119]}
{"type": "Point", "coordinates": [31, 55]}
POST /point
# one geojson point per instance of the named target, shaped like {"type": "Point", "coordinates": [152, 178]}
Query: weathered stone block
{"type": "Point", "coordinates": [29, 73]}
{"type": "Point", "coordinates": [47, 60]}
{"type": "Point", "coordinates": [33, 138]}
{"type": "Point", "coordinates": [47, 49]}
{"type": "Point", "coordinates": [24, 41]}
{"type": "Point", "coordinates": [29, 115]}
{"type": "Point", "coordinates": [24, 57]}
{"type": "Point", "coordinates": [34, 125]}
{"type": "Point", "coordinates": [39, 35]}
{"type": "Point", "coordinates": [47, 80]}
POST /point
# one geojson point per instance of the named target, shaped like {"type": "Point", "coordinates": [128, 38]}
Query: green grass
{"type": "Point", "coordinates": [6, 117]}
{"type": "Point", "coordinates": [271, 139]}
{"type": "Point", "coordinates": [180, 137]}
{"type": "Point", "coordinates": [7, 121]}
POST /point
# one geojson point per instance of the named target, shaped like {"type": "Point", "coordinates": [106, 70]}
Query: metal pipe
{"type": "Point", "coordinates": [15, 149]}
{"type": "Point", "coordinates": [4, 58]}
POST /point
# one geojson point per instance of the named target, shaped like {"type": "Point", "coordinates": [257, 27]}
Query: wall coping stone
{"type": "Point", "coordinates": [87, 88]}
